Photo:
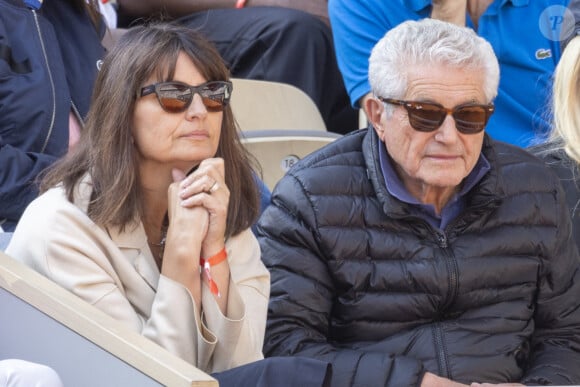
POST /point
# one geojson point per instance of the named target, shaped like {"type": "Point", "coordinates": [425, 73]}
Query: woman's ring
{"type": "Point", "coordinates": [214, 187]}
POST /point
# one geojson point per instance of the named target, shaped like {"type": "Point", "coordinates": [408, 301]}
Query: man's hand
{"type": "Point", "coordinates": [432, 380]}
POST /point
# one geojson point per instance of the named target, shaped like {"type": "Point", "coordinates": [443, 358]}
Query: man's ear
{"type": "Point", "coordinates": [375, 110]}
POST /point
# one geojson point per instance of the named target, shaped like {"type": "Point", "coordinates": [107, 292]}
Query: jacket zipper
{"type": "Point", "coordinates": [53, 92]}
{"type": "Point", "coordinates": [77, 115]}
{"type": "Point", "coordinates": [441, 351]}
{"type": "Point", "coordinates": [451, 294]}
{"type": "Point", "coordinates": [452, 269]}
{"type": "Point", "coordinates": [450, 260]}
{"type": "Point", "coordinates": [451, 265]}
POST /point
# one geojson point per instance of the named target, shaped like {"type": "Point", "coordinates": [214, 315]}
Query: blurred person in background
{"type": "Point", "coordinates": [561, 151]}
{"type": "Point", "coordinates": [272, 40]}
{"type": "Point", "coordinates": [50, 52]}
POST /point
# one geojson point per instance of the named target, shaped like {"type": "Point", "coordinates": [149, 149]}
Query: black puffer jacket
{"type": "Point", "coordinates": [358, 281]}
{"type": "Point", "coordinates": [569, 173]}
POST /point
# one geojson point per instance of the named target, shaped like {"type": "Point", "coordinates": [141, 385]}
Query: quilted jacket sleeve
{"type": "Point", "coordinates": [555, 347]}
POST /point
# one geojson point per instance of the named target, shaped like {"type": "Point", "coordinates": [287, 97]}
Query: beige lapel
{"type": "Point", "coordinates": [133, 244]}
{"type": "Point", "coordinates": [132, 260]}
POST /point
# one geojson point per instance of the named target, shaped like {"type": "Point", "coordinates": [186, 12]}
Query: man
{"type": "Point", "coordinates": [524, 35]}
{"type": "Point", "coordinates": [420, 251]}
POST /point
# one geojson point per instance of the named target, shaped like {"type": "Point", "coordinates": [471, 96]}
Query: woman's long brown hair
{"type": "Point", "coordinates": [105, 150]}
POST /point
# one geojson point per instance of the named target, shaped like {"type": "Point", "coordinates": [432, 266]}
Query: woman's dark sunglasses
{"type": "Point", "coordinates": [427, 117]}
{"type": "Point", "coordinates": [175, 97]}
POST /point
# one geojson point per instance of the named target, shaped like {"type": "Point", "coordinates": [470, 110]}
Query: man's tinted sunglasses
{"type": "Point", "coordinates": [428, 117]}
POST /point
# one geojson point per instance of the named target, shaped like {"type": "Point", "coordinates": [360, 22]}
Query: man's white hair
{"type": "Point", "coordinates": [429, 42]}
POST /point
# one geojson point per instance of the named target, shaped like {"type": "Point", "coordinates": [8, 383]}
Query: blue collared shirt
{"type": "Point", "coordinates": [516, 29]}
{"type": "Point", "coordinates": [427, 211]}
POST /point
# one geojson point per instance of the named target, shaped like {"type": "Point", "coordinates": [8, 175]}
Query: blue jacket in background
{"type": "Point", "coordinates": [48, 65]}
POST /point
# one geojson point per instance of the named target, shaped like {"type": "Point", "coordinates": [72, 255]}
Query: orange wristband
{"type": "Point", "coordinates": [219, 257]}
{"type": "Point", "coordinates": [240, 3]}
{"type": "Point", "coordinates": [208, 263]}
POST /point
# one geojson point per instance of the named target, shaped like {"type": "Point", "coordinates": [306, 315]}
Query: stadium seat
{"type": "Point", "coordinates": [44, 323]}
{"type": "Point", "coordinates": [264, 105]}
{"type": "Point", "coordinates": [278, 150]}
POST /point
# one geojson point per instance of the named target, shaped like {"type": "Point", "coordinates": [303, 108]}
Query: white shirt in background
{"type": "Point", "coordinates": [109, 12]}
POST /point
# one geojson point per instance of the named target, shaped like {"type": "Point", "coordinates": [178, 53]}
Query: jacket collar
{"type": "Point", "coordinates": [131, 241]}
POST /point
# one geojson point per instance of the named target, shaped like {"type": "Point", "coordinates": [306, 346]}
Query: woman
{"type": "Point", "coordinates": [561, 152]}
{"type": "Point", "coordinates": [149, 217]}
